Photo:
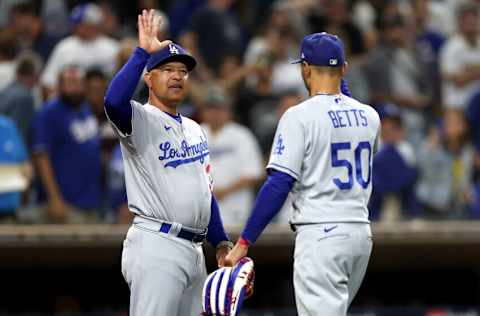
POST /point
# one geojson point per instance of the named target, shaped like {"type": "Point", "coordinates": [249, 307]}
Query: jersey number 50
{"type": "Point", "coordinates": [337, 163]}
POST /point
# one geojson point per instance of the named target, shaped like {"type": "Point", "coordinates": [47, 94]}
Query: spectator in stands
{"type": "Point", "coordinates": [5, 7]}
{"type": "Point", "coordinates": [96, 83]}
{"type": "Point", "coordinates": [259, 44]}
{"type": "Point", "coordinates": [472, 113]}
{"type": "Point", "coordinates": [460, 59]}
{"type": "Point", "coordinates": [117, 193]}
{"type": "Point", "coordinates": [232, 73]}
{"type": "Point", "coordinates": [441, 16]}
{"type": "Point", "coordinates": [258, 93]}
{"type": "Point", "coordinates": [334, 17]}
{"type": "Point", "coordinates": [279, 46]}
{"type": "Point", "coordinates": [180, 13]}
{"type": "Point", "coordinates": [446, 164]}
{"type": "Point", "coordinates": [235, 157]}
{"type": "Point", "coordinates": [286, 14]}
{"type": "Point", "coordinates": [8, 53]}
{"type": "Point", "coordinates": [111, 25]}
{"type": "Point", "coordinates": [126, 47]}
{"type": "Point", "coordinates": [396, 75]}
{"type": "Point", "coordinates": [394, 167]}
{"type": "Point", "coordinates": [164, 28]}
{"type": "Point", "coordinates": [213, 33]}
{"type": "Point", "coordinates": [66, 150]}
{"type": "Point", "coordinates": [28, 28]}
{"type": "Point", "coordinates": [231, 77]}
{"type": "Point", "coordinates": [55, 17]}
{"type": "Point", "coordinates": [364, 16]}
{"type": "Point", "coordinates": [12, 152]}
{"type": "Point", "coordinates": [17, 100]}
{"type": "Point", "coordinates": [265, 117]}
{"type": "Point", "coordinates": [86, 47]}
{"type": "Point", "coordinates": [428, 42]}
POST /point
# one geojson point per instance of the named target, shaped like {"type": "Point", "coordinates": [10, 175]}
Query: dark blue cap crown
{"type": "Point", "coordinates": [170, 53]}
{"type": "Point", "coordinates": [322, 49]}
{"type": "Point", "coordinates": [388, 110]}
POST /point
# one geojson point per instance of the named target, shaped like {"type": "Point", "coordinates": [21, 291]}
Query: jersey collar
{"type": "Point", "coordinates": [177, 117]}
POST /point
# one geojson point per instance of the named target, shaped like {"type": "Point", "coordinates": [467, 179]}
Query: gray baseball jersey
{"type": "Point", "coordinates": [167, 167]}
{"type": "Point", "coordinates": [326, 143]}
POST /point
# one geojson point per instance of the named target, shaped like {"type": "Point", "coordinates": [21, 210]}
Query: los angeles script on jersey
{"type": "Point", "coordinates": [185, 154]}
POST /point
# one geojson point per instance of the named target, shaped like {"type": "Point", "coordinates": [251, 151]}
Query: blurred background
{"type": "Point", "coordinates": [63, 210]}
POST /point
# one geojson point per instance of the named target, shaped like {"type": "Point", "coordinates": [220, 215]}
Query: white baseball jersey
{"type": "Point", "coordinates": [326, 143]}
{"type": "Point", "coordinates": [166, 167]}
{"type": "Point", "coordinates": [101, 52]}
{"type": "Point", "coordinates": [235, 153]}
{"type": "Point", "coordinates": [456, 56]}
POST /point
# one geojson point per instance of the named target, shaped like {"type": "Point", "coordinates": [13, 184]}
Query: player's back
{"type": "Point", "coordinates": [334, 180]}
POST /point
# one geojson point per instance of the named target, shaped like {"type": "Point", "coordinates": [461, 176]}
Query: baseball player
{"type": "Point", "coordinates": [166, 160]}
{"type": "Point", "coordinates": [322, 152]}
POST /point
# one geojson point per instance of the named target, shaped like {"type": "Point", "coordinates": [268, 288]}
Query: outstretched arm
{"type": "Point", "coordinates": [269, 201]}
{"type": "Point", "coordinates": [122, 86]}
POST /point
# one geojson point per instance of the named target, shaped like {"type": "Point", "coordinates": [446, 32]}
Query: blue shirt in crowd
{"type": "Point", "coordinates": [12, 151]}
{"type": "Point", "coordinates": [392, 175]}
{"type": "Point", "coordinates": [116, 180]}
{"type": "Point", "coordinates": [70, 138]}
{"type": "Point", "coordinates": [473, 116]}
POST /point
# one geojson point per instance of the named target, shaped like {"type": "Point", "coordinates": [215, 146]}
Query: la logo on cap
{"type": "Point", "coordinates": [173, 49]}
{"type": "Point", "coordinates": [333, 62]}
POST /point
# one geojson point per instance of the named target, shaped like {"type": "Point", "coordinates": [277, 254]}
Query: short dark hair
{"type": "Point", "coordinates": [28, 64]}
{"type": "Point", "coordinates": [66, 68]}
{"type": "Point", "coordinates": [394, 21]}
{"type": "Point", "coordinates": [27, 7]}
{"type": "Point", "coordinates": [95, 73]}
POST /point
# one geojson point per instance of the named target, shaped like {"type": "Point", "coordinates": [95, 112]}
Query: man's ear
{"type": "Point", "coordinates": [344, 69]}
{"type": "Point", "coordinates": [148, 79]}
{"type": "Point", "coordinates": [306, 70]}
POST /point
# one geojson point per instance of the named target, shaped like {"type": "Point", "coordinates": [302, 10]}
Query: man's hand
{"type": "Point", "coordinates": [222, 251]}
{"type": "Point", "coordinates": [57, 209]}
{"type": "Point", "coordinates": [238, 252]}
{"type": "Point", "coordinates": [148, 24]}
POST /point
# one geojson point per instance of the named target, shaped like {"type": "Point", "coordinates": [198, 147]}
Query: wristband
{"type": "Point", "coordinates": [243, 242]}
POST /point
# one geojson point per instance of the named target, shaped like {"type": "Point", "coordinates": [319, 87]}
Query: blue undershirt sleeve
{"type": "Point", "coordinates": [269, 201]}
{"type": "Point", "coordinates": [344, 88]}
{"type": "Point", "coordinates": [216, 232]}
{"type": "Point", "coordinates": [121, 90]}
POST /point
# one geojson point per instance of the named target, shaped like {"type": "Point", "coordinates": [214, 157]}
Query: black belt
{"type": "Point", "coordinates": [185, 234]}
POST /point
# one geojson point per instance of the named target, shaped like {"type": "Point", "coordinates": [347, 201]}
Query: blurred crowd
{"type": "Point", "coordinates": [417, 62]}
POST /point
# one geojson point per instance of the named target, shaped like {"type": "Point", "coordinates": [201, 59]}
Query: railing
{"type": "Point", "coordinates": [443, 243]}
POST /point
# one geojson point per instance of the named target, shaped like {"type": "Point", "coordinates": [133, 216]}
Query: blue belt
{"type": "Point", "coordinates": [185, 234]}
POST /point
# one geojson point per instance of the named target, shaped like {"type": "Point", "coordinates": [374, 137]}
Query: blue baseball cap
{"type": "Point", "coordinates": [173, 52]}
{"type": "Point", "coordinates": [389, 111]}
{"type": "Point", "coordinates": [89, 13]}
{"type": "Point", "coordinates": [322, 49]}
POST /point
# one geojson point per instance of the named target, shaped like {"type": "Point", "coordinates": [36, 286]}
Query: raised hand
{"type": "Point", "coordinates": [148, 24]}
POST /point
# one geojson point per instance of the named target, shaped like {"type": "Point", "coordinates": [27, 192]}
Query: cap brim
{"type": "Point", "coordinates": [296, 61]}
{"type": "Point", "coordinates": [188, 60]}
